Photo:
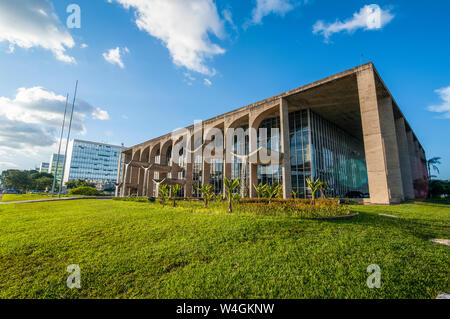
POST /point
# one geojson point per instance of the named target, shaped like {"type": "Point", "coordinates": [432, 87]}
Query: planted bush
{"type": "Point", "coordinates": [132, 199]}
{"type": "Point", "coordinates": [85, 191]}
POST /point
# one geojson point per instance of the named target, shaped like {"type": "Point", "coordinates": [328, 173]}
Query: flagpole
{"type": "Point", "coordinates": [59, 148]}
{"type": "Point", "coordinates": [68, 138]}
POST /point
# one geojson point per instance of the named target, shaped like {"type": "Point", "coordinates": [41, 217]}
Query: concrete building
{"type": "Point", "coordinates": [346, 129]}
{"type": "Point", "coordinates": [54, 163]}
{"type": "Point", "coordinates": [44, 167]}
{"type": "Point", "coordinates": [91, 161]}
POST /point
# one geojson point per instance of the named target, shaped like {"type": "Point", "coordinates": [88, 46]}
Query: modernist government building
{"type": "Point", "coordinates": [346, 129]}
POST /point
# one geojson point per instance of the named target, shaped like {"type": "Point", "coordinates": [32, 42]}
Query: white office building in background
{"type": "Point", "coordinates": [44, 167]}
{"type": "Point", "coordinates": [94, 162]}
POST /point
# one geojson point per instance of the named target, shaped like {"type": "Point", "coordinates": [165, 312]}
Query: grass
{"type": "Point", "coordinates": [141, 250]}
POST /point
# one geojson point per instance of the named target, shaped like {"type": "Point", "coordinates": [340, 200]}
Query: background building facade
{"type": "Point", "coordinates": [44, 167]}
{"type": "Point", "coordinates": [347, 130]}
{"type": "Point", "coordinates": [91, 161]}
{"type": "Point", "coordinates": [54, 162]}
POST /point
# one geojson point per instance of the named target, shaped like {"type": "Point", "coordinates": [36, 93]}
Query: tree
{"type": "Point", "coordinates": [43, 183]}
{"type": "Point", "coordinates": [175, 189]}
{"type": "Point", "coordinates": [433, 163]}
{"type": "Point", "coordinates": [260, 190]}
{"type": "Point", "coordinates": [207, 192]}
{"type": "Point", "coordinates": [314, 186]}
{"type": "Point", "coordinates": [230, 186]}
{"type": "Point", "coordinates": [272, 191]}
{"type": "Point", "coordinates": [79, 183]}
{"type": "Point", "coordinates": [438, 188]}
{"type": "Point", "coordinates": [15, 179]}
{"type": "Point", "coordinates": [163, 192]}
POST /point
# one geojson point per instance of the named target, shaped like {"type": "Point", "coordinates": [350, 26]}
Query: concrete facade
{"type": "Point", "coordinates": [346, 129]}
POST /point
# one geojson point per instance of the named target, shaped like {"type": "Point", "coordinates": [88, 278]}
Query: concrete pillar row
{"type": "Point", "coordinates": [405, 163]}
{"type": "Point", "coordinates": [380, 142]}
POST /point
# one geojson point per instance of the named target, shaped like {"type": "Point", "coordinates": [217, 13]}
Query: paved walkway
{"type": "Point", "coordinates": [52, 200]}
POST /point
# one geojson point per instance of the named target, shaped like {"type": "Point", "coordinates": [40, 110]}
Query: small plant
{"type": "Point", "coordinates": [207, 192]}
{"type": "Point", "coordinates": [230, 186]}
{"type": "Point", "coordinates": [163, 193]}
{"type": "Point", "coordinates": [315, 186]}
{"type": "Point", "coordinates": [294, 194]}
{"type": "Point", "coordinates": [260, 190]}
{"type": "Point", "coordinates": [273, 191]}
{"type": "Point", "coordinates": [175, 189]}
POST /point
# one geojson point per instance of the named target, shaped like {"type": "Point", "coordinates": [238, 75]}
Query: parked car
{"type": "Point", "coordinates": [11, 191]}
{"type": "Point", "coordinates": [354, 194]}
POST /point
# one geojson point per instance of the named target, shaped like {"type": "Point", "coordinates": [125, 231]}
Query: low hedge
{"type": "Point", "coordinates": [85, 191]}
{"type": "Point", "coordinates": [293, 208]}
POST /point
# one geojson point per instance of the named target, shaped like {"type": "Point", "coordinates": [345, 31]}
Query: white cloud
{"type": "Point", "coordinates": [114, 56]}
{"type": "Point", "coordinates": [83, 45]}
{"type": "Point", "coordinates": [265, 7]}
{"type": "Point", "coordinates": [207, 82]}
{"type": "Point", "coordinates": [33, 23]}
{"type": "Point", "coordinates": [184, 28]}
{"type": "Point", "coordinates": [33, 117]}
{"type": "Point", "coordinates": [370, 17]}
{"type": "Point", "coordinates": [100, 114]}
{"type": "Point", "coordinates": [444, 107]}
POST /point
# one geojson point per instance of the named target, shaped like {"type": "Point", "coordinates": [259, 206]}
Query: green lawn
{"type": "Point", "coordinates": [141, 250]}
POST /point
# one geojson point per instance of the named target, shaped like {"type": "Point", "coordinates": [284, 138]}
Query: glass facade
{"type": "Point", "coordinates": [337, 158]}
{"type": "Point", "coordinates": [94, 162]}
{"type": "Point", "coordinates": [270, 174]}
{"type": "Point", "coordinates": [54, 163]}
{"type": "Point", "coordinates": [320, 149]}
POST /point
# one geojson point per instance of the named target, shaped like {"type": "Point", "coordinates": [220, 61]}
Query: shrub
{"type": "Point", "coordinates": [132, 199]}
{"type": "Point", "coordinates": [85, 191]}
{"type": "Point", "coordinates": [304, 208]}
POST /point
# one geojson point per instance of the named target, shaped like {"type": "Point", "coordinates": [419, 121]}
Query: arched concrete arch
{"type": "Point", "coordinates": [143, 172]}
{"type": "Point", "coordinates": [134, 173]}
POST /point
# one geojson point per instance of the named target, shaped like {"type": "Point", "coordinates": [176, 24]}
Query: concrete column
{"type": "Point", "coordinates": [405, 163]}
{"type": "Point", "coordinates": [189, 167]}
{"type": "Point", "coordinates": [412, 160]}
{"type": "Point", "coordinates": [127, 175]}
{"type": "Point", "coordinates": [380, 142]}
{"type": "Point", "coordinates": [285, 148]}
{"type": "Point", "coordinates": [140, 181]}
{"type": "Point", "coordinates": [226, 159]}
{"type": "Point", "coordinates": [253, 158]}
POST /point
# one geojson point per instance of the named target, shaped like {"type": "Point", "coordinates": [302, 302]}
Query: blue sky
{"type": "Point", "coordinates": [221, 55]}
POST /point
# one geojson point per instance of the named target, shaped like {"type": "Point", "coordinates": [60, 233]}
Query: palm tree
{"type": "Point", "coordinates": [163, 192]}
{"type": "Point", "coordinates": [207, 192]}
{"type": "Point", "coordinates": [175, 189]}
{"type": "Point", "coordinates": [260, 190]}
{"type": "Point", "coordinates": [314, 186]}
{"type": "Point", "coordinates": [230, 186]}
{"type": "Point", "coordinates": [433, 163]}
{"type": "Point", "coordinates": [272, 191]}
